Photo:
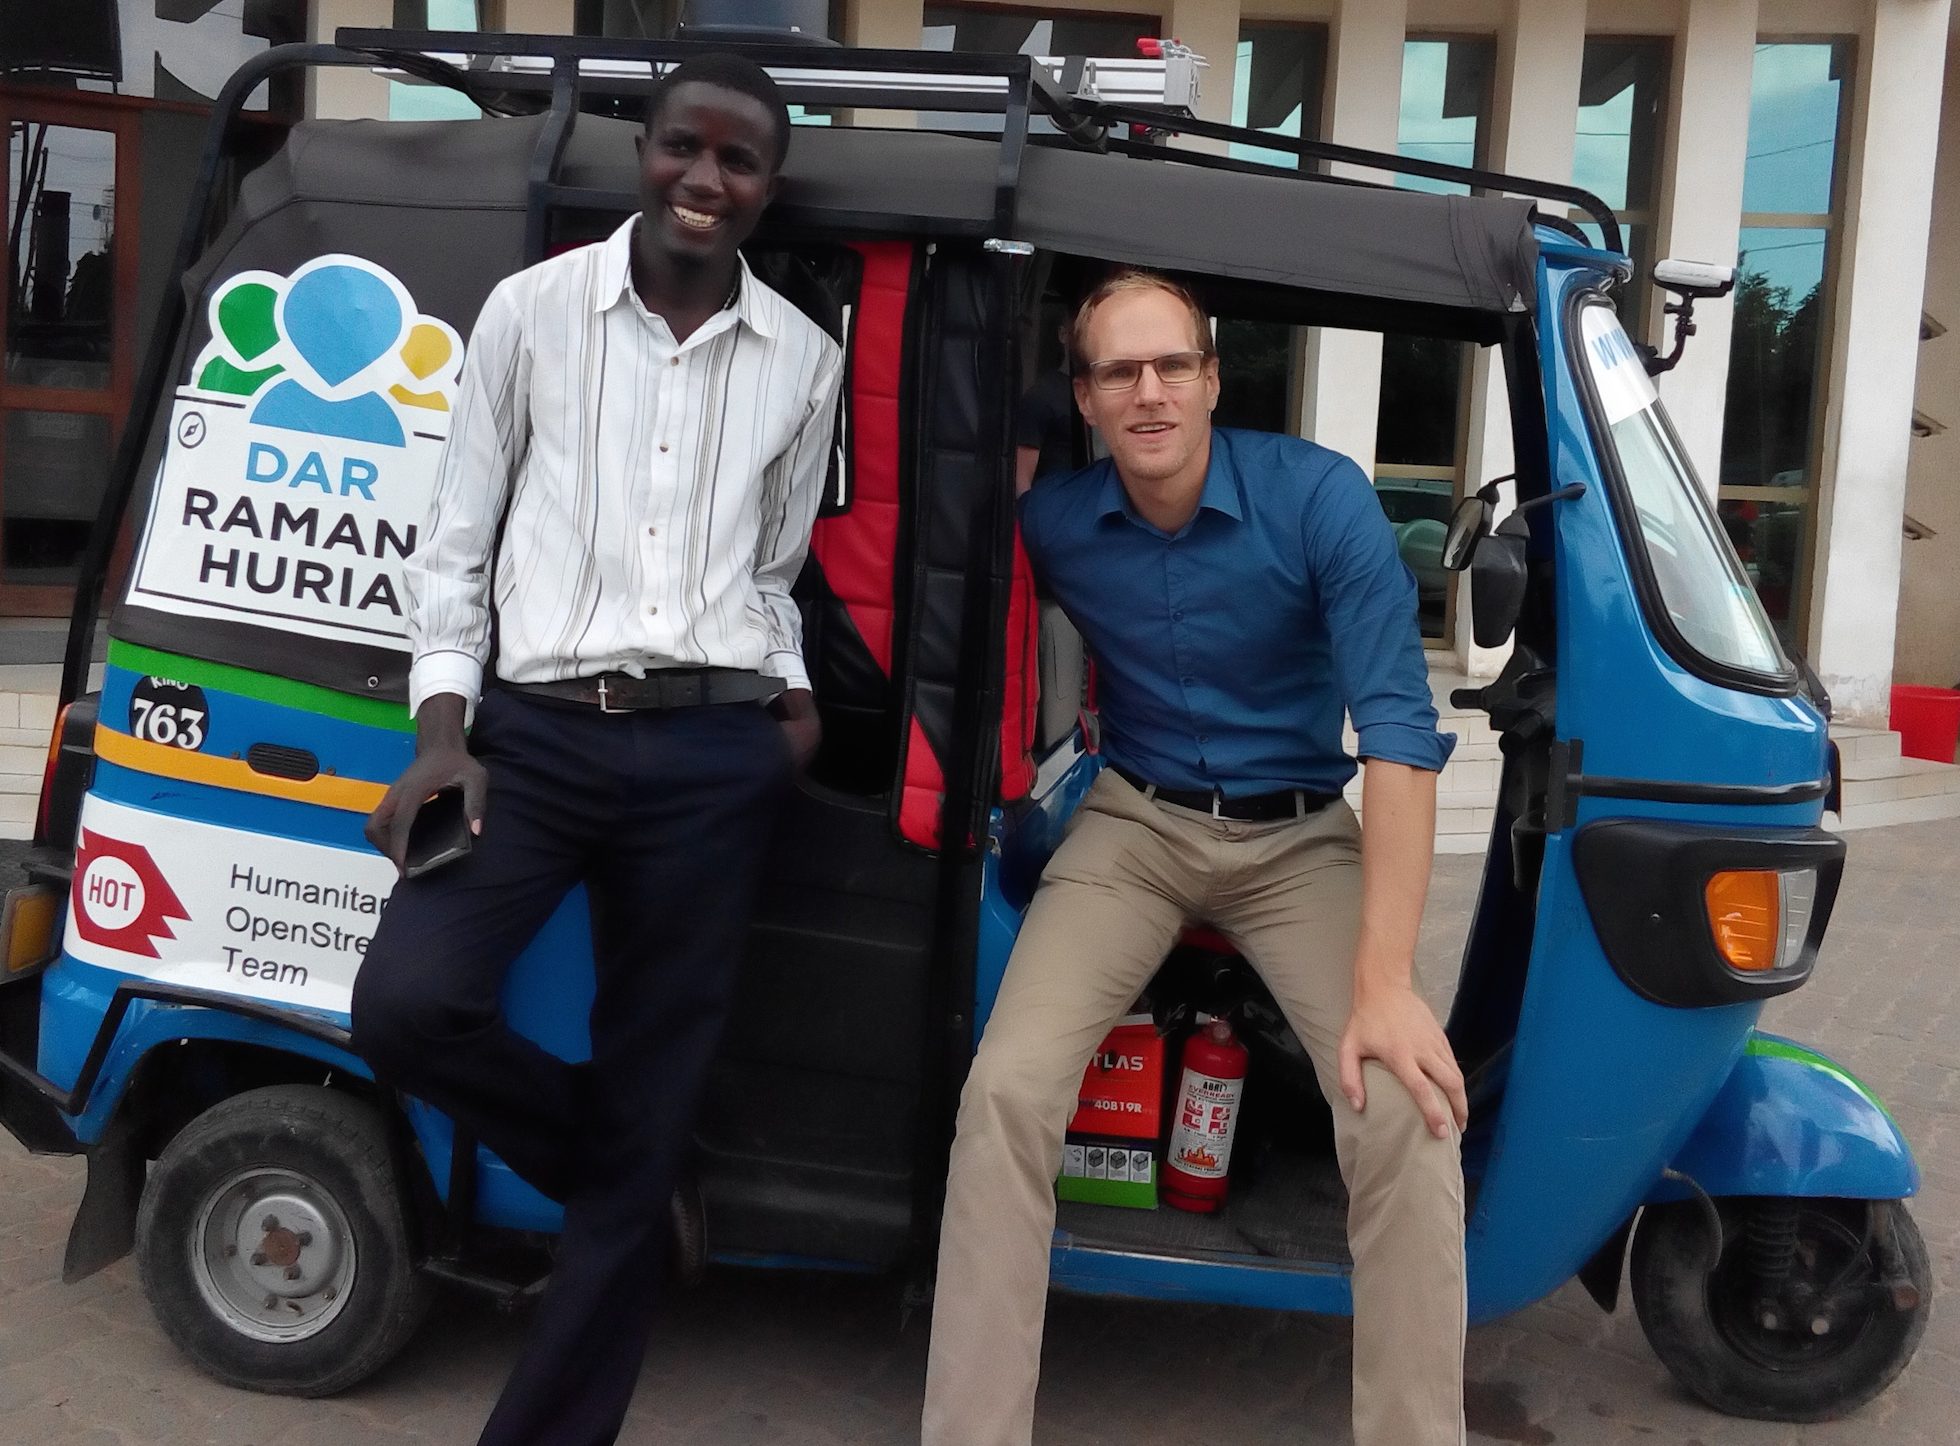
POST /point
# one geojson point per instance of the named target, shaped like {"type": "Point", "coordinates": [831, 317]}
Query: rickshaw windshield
{"type": "Point", "coordinates": [1702, 587]}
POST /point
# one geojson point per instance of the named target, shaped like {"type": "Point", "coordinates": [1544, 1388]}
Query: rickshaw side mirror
{"type": "Point", "coordinates": [1468, 524]}
{"type": "Point", "coordinates": [1497, 580]}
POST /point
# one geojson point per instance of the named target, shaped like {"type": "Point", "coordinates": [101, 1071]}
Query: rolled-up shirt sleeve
{"type": "Point", "coordinates": [1368, 598]}
{"type": "Point", "coordinates": [792, 493]}
{"type": "Point", "coordinates": [447, 576]}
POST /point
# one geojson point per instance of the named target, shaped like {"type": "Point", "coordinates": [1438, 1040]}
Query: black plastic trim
{"type": "Point", "coordinates": [75, 1100]}
{"type": "Point", "coordinates": [1644, 882]}
{"type": "Point", "coordinates": [1656, 790]}
{"type": "Point", "coordinates": [1725, 675]}
{"type": "Point", "coordinates": [60, 813]}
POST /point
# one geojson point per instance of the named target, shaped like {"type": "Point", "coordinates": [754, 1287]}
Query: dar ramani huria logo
{"type": "Point", "coordinates": [121, 899]}
{"type": "Point", "coordinates": [337, 349]}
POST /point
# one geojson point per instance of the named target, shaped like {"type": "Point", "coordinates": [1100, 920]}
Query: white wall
{"type": "Point", "coordinates": [1929, 595]}
{"type": "Point", "coordinates": [1868, 406]}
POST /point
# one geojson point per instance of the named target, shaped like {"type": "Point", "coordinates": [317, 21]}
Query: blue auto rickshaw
{"type": "Point", "coordinates": [178, 964]}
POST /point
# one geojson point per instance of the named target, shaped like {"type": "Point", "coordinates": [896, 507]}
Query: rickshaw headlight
{"type": "Point", "coordinates": [1761, 917]}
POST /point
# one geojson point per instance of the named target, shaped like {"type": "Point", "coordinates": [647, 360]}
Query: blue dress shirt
{"type": "Point", "coordinates": [1225, 651]}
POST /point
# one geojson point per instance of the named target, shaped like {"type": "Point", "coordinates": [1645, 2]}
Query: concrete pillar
{"type": "Point", "coordinates": [530, 17]}
{"type": "Point", "coordinates": [1929, 585]}
{"type": "Point", "coordinates": [1701, 205]}
{"type": "Point", "coordinates": [1342, 388]}
{"type": "Point", "coordinates": [891, 24]}
{"type": "Point", "coordinates": [1210, 27]}
{"type": "Point", "coordinates": [1534, 117]}
{"type": "Point", "coordinates": [886, 25]}
{"type": "Point", "coordinates": [341, 92]}
{"type": "Point", "coordinates": [1867, 427]}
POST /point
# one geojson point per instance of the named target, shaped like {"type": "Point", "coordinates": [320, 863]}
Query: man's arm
{"type": "Point", "coordinates": [791, 495]}
{"type": "Point", "coordinates": [446, 579]}
{"type": "Point", "coordinates": [1390, 1021]}
{"type": "Point", "coordinates": [1369, 601]}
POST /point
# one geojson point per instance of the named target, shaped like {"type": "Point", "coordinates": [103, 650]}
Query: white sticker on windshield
{"type": "Point", "coordinates": [1617, 369]}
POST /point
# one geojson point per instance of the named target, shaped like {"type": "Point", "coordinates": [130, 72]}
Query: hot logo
{"type": "Point", "coordinates": [121, 899]}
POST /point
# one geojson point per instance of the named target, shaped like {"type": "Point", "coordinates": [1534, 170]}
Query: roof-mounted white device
{"type": "Point", "coordinates": [1691, 281]}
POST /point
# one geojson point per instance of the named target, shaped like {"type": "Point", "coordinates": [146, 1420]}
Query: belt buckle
{"type": "Point", "coordinates": [1218, 802]}
{"type": "Point", "coordinates": [604, 705]}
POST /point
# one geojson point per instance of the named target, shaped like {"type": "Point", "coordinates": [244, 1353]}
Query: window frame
{"type": "Point", "coordinates": [1831, 223]}
{"type": "Point", "coordinates": [1626, 522]}
{"type": "Point", "coordinates": [1445, 642]}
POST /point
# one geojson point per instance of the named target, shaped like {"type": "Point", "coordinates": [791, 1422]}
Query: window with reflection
{"type": "Point", "coordinates": [1771, 420]}
{"type": "Point", "coordinates": [1026, 30]}
{"type": "Point", "coordinates": [415, 100]}
{"type": "Point", "coordinates": [61, 209]}
{"type": "Point", "coordinates": [1280, 75]}
{"type": "Point", "coordinates": [1617, 152]}
{"type": "Point", "coordinates": [1446, 98]}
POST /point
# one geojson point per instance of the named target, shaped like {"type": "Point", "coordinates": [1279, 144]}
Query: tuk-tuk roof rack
{"type": "Point", "coordinates": [1084, 96]}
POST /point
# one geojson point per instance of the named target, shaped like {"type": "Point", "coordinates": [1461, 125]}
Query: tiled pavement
{"type": "Point", "coordinates": [811, 1361]}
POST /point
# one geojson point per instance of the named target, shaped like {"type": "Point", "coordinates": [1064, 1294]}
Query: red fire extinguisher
{"type": "Point", "coordinates": [1207, 1111]}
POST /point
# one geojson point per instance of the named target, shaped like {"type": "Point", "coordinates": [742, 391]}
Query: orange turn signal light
{"type": "Point", "coordinates": [1745, 911]}
{"type": "Point", "coordinates": [27, 925]}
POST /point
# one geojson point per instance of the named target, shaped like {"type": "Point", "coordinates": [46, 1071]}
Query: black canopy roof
{"type": "Point", "coordinates": [1463, 254]}
{"type": "Point", "coordinates": [1464, 260]}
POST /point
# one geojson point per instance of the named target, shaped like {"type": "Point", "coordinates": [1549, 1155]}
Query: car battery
{"type": "Point", "coordinates": [1110, 1155]}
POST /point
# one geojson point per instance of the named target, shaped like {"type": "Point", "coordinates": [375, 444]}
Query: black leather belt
{"type": "Point", "coordinates": [660, 688]}
{"type": "Point", "coordinates": [1257, 808]}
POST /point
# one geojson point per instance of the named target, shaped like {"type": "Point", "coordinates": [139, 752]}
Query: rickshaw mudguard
{"type": "Point", "coordinates": [1792, 1122]}
{"type": "Point", "coordinates": [75, 1002]}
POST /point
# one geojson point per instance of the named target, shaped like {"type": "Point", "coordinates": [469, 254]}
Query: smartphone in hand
{"type": "Point", "coordinates": [439, 835]}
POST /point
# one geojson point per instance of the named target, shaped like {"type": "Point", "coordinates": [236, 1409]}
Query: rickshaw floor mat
{"type": "Point", "coordinates": [1294, 1208]}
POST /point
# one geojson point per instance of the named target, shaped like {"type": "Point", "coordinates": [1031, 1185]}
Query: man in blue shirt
{"type": "Point", "coordinates": [1238, 591]}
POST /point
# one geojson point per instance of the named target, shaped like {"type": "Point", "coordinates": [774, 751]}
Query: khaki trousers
{"type": "Point", "coordinates": [1113, 899]}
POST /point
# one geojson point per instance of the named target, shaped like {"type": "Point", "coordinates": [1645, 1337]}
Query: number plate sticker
{"type": "Point", "coordinates": [162, 710]}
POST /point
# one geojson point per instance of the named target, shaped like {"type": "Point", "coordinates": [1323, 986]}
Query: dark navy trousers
{"type": "Point", "coordinates": [665, 816]}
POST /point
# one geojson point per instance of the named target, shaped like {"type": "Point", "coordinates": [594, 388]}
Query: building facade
{"type": "Point", "coordinates": [1799, 139]}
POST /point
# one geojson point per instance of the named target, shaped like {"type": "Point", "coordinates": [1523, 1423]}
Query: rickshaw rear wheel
{"type": "Point", "coordinates": [272, 1244]}
{"type": "Point", "coordinates": [1826, 1340]}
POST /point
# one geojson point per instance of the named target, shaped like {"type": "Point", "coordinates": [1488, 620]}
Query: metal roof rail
{"type": "Point", "coordinates": [1151, 97]}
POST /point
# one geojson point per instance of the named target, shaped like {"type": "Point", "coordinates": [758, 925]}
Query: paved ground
{"type": "Point", "coordinates": [814, 1361]}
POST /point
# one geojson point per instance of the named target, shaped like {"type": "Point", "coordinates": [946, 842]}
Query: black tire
{"type": "Point", "coordinates": [1700, 1322]}
{"type": "Point", "coordinates": [209, 1235]}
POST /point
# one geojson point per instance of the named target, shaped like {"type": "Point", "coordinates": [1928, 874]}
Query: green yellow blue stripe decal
{"type": "Point", "coordinates": [265, 688]}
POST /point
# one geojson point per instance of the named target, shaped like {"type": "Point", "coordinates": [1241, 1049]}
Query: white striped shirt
{"type": "Point", "coordinates": [660, 493]}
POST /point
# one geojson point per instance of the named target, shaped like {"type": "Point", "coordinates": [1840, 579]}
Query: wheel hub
{"type": "Point", "coordinates": [273, 1254]}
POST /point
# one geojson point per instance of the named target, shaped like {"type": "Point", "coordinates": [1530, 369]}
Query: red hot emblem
{"type": "Point", "coordinates": [121, 899]}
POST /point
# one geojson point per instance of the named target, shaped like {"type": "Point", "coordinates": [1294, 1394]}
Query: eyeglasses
{"type": "Point", "coordinates": [1119, 374]}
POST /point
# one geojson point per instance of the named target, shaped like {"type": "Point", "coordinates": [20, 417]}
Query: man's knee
{"type": "Point", "coordinates": [1006, 1091]}
{"type": "Point", "coordinates": [398, 1023]}
{"type": "Point", "coordinates": [1392, 1136]}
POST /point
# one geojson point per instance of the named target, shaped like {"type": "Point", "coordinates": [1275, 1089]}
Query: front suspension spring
{"type": "Point", "coordinates": [1770, 1242]}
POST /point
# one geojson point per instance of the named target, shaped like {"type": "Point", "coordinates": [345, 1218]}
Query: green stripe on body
{"type": "Point", "coordinates": [286, 692]}
{"type": "Point", "coordinates": [1767, 1048]}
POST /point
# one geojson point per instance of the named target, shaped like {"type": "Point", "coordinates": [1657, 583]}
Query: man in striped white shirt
{"type": "Point", "coordinates": [647, 428]}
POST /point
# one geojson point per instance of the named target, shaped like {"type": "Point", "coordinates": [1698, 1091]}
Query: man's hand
{"type": "Point", "coordinates": [1395, 1027]}
{"type": "Point", "coordinates": [1390, 1022]}
{"type": "Point", "coordinates": [442, 760]}
{"type": "Point", "coordinates": [796, 711]}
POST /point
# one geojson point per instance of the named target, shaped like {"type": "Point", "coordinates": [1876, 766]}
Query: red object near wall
{"type": "Point", "coordinates": [1927, 721]}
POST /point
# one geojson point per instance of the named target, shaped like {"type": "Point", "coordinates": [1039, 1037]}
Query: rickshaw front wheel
{"type": "Point", "coordinates": [272, 1244]}
{"type": "Point", "coordinates": [1811, 1309]}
